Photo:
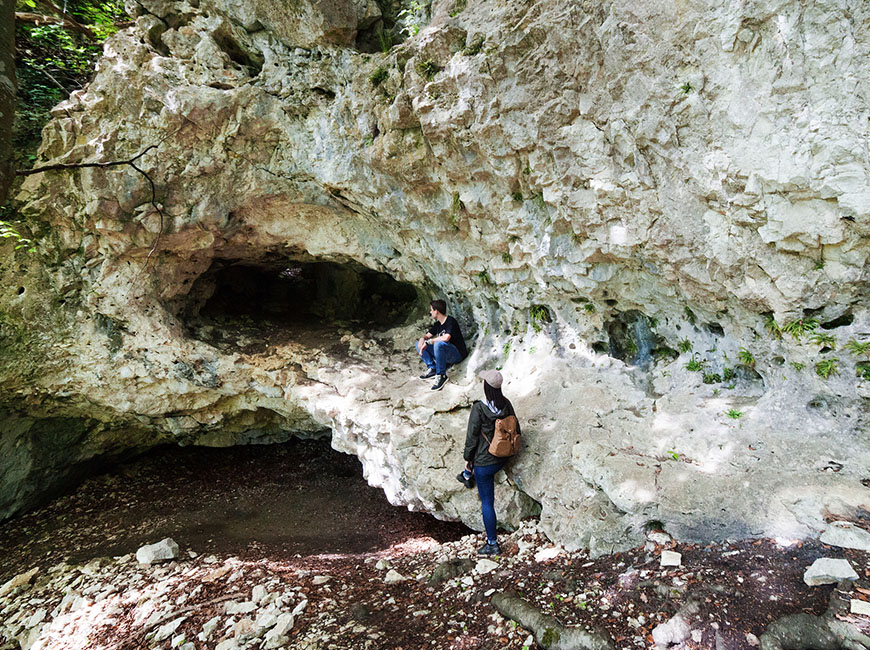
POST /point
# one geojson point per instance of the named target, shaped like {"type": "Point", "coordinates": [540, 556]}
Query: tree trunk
{"type": "Point", "coordinates": [7, 93]}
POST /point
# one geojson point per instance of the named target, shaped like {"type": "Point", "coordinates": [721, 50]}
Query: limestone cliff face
{"type": "Point", "coordinates": [603, 191]}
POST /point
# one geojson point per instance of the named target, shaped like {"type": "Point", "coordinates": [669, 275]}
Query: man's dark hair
{"type": "Point", "coordinates": [494, 396]}
{"type": "Point", "coordinates": [439, 305]}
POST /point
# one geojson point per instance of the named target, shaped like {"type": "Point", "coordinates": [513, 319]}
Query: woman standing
{"type": "Point", "coordinates": [480, 465]}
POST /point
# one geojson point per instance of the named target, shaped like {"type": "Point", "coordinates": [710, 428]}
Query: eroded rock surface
{"type": "Point", "coordinates": [604, 192]}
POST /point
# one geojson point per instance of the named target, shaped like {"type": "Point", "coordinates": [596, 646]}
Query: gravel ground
{"type": "Point", "coordinates": [272, 556]}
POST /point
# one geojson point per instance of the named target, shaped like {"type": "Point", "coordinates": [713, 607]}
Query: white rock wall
{"type": "Point", "coordinates": [702, 163]}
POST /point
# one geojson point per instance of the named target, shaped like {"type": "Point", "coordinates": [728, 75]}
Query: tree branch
{"type": "Point", "coordinates": [103, 165]}
{"type": "Point", "coordinates": [66, 21]}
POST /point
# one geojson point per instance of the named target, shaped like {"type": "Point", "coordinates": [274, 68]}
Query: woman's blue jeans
{"type": "Point", "coordinates": [485, 477]}
{"type": "Point", "coordinates": [439, 355]}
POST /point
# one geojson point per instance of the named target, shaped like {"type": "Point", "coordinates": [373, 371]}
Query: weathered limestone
{"type": "Point", "coordinates": [661, 179]}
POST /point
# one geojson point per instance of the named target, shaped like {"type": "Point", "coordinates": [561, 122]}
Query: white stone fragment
{"type": "Point", "coordinates": [846, 535]}
{"type": "Point", "coordinates": [393, 576]}
{"type": "Point", "coordinates": [861, 607]}
{"type": "Point", "coordinates": [258, 593]}
{"type": "Point", "coordinates": [165, 549]}
{"type": "Point", "coordinates": [671, 558]}
{"type": "Point", "coordinates": [234, 607]}
{"type": "Point", "coordinates": [300, 607]}
{"type": "Point", "coordinates": [485, 566]}
{"type": "Point", "coordinates": [548, 553]}
{"type": "Point", "coordinates": [320, 580]}
{"type": "Point", "coordinates": [168, 629]}
{"type": "Point", "coordinates": [18, 581]}
{"type": "Point", "coordinates": [209, 627]}
{"type": "Point", "coordinates": [826, 571]}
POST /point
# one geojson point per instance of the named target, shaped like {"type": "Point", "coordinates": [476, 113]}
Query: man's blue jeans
{"type": "Point", "coordinates": [439, 355]}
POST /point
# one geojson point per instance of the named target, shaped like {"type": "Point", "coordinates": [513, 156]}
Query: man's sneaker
{"type": "Point", "coordinates": [489, 549]}
{"type": "Point", "coordinates": [428, 374]}
{"type": "Point", "coordinates": [439, 383]}
{"type": "Point", "coordinates": [467, 482]}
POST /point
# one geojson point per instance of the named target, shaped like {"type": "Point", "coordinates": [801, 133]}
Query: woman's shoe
{"type": "Point", "coordinates": [489, 549]}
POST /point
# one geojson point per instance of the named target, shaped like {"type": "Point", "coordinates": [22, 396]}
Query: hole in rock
{"type": "Point", "coordinates": [632, 338]}
{"type": "Point", "coordinates": [252, 501]}
{"type": "Point", "coordinates": [841, 321]}
{"type": "Point", "coordinates": [296, 299]}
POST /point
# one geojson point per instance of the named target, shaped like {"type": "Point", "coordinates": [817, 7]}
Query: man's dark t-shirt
{"type": "Point", "coordinates": [450, 327]}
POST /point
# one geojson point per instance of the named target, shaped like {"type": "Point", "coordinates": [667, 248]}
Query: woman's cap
{"type": "Point", "coordinates": [492, 377]}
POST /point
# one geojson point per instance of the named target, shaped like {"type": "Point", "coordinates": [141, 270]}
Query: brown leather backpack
{"type": "Point", "coordinates": [506, 437]}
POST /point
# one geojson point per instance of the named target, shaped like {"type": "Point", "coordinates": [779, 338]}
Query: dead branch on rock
{"type": "Point", "coordinates": [825, 632]}
{"type": "Point", "coordinates": [549, 633]}
{"type": "Point", "coordinates": [112, 163]}
{"type": "Point", "coordinates": [66, 21]}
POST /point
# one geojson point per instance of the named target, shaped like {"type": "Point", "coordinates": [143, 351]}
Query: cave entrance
{"type": "Point", "coordinates": [259, 300]}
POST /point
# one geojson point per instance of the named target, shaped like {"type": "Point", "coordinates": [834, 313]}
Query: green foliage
{"type": "Point", "coordinates": [413, 17]}
{"type": "Point", "coordinates": [674, 455]}
{"type": "Point", "coordinates": [513, 239]}
{"type": "Point", "coordinates": [506, 349]}
{"type": "Point", "coordinates": [727, 374]}
{"type": "Point", "coordinates": [685, 345]}
{"type": "Point", "coordinates": [746, 358]}
{"type": "Point", "coordinates": [797, 365]}
{"type": "Point", "coordinates": [800, 327]}
{"type": "Point", "coordinates": [385, 40]}
{"type": "Point", "coordinates": [507, 258]}
{"type": "Point", "coordinates": [474, 47]}
{"type": "Point", "coordinates": [428, 69]}
{"type": "Point", "coordinates": [517, 196]}
{"type": "Point", "coordinates": [694, 365]}
{"type": "Point", "coordinates": [9, 231]}
{"type": "Point", "coordinates": [862, 370]}
{"type": "Point", "coordinates": [858, 349]}
{"type": "Point", "coordinates": [824, 339]}
{"type": "Point", "coordinates": [712, 378]}
{"type": "Point", "coordinates": [734, 414]}
{"type": "Point", "coordinates": [773, 327]}
{"type": "Point", "coordinates": [539, 314]}
{"type": "Point", "coordinates": [458, 8]}
{"type": "Point", "coordinates": [589, 307]}
{"type": "Point", "coordinates": [483, 276]}
{"type": "Point", "coordinates": [379, 76]}
{"type": "Point", "coordinates": [827, 367]}
{"type": "Point", "coordinates": [819, 265]}
{"type": "Point", "coordinates": [52, 61]}
{"type": "Point", "coordinates": [690, 316]}
{"type": "Point", "coordinates": [687, 88]}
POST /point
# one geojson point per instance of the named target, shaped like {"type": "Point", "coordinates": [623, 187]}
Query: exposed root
{"type": "Point", "coordinates": [549, 633]}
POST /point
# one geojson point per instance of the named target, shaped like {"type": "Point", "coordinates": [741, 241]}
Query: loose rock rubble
{"type": "Point", "coordinates": [426, 595]}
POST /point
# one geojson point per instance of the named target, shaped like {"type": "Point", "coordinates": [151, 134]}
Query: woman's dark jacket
{"type": "Point", "coordinates": [482, 421]}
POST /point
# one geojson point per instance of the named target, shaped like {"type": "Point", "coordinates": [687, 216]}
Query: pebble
{"type": "Point", "coordinates": [485, 566]}
{"type": "Point", "coordinates": [393, 577]}
{"type": "Point", "coordinates": [846, 535]}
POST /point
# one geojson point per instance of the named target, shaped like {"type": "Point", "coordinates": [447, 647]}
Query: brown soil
{"type": "Point", "coordinates": [288, 513]}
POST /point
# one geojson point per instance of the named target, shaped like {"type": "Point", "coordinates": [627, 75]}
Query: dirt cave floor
{"type": "Point", "coordinates": [285, 546]}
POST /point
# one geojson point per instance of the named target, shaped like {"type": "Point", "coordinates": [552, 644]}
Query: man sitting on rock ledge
{"type": "Point", "coordinates": [442, 345]}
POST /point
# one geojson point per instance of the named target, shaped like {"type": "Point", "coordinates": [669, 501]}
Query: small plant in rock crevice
{"type": "Point", "coordinates": [378, 76]}
{"type": "Point", "coordinates": [773, 327]}
{"type": "Point", "coordinates": [824, 339]}
{"type": "Point", "coordinates": [800, 327]}
{"type": "Point", "coordinates": [690, 316]}
{"type": "Point", "coordinates": [507, 258]}
{"type": "Point", "coordinates": [746, 358]}
{"type": "Point", "coordinates": [687, 88]}
{"type": "Point", "coordinates": [712, 378]}
{"type": "Point", "coordinates": [827, 367]}
{"type": "Point", "coordinates": [483, 276]}
{"type": "Point", "coordinates": [589, 307]}
{"type": "Point", "coordinates": [797, 365]}
{"type": "Point", "coordinates": [727, 374]}
{"type": "Point", "coordinates": [734, 414]}
{"type": "Point", "coordinates": [858, 349]}
{"type": "Point", "coordinates": [694, 365]}
{"type": "Point", "coordinates": [685, 345]}
{"type": "Point", "coordinates": [428, 69]}
{"type": "Point", "coordinates": [539, 314]}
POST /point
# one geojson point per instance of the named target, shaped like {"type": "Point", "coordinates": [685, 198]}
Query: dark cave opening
{"type": "Point", "coordinates": [300, 295]}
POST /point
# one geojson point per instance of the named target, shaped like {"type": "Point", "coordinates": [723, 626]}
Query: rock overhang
{"type": "Point", "coordinates": [505, 190]}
